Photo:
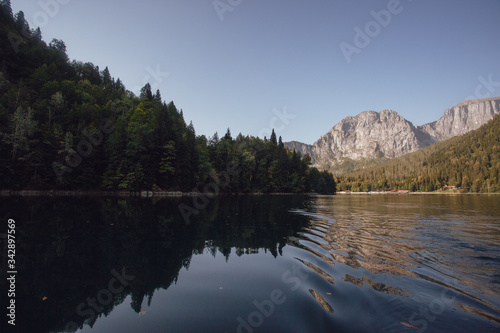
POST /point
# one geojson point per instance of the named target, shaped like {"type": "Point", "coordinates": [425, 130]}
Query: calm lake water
{"type": "Point", "coordinates": [418, 263]}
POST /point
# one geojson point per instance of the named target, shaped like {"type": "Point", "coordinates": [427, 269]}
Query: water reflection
{"type": "Point", "coordinates": [68, 248]}
{"type": "Point", "coordinates": [373, 246]}
{"type": "Point", "coordinates": [320, 263]}
{"type": "Point", "coordinates": [419, 238]}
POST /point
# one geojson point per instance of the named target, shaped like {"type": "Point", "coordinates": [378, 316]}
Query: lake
{"type": "Point", "coordinates": [291, 263]}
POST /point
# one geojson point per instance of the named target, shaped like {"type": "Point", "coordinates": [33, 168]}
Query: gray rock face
{"type": "Point", "coordinates": [371, 135]}
{"type": "Point", "coordinates": [303, 148]}
{"type": "Point", "coordinates": [462, 118]}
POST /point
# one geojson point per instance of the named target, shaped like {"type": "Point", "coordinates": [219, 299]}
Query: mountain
{"type": "Point", "coordinates": [470, 162]}
{"type": "Point", "coordinates": [462, 118]}
{"type": "Point", "coordinates": [373, 137]}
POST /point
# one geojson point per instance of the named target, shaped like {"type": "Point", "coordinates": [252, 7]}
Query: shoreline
{"type": "Point", "coordinates": [415, 193]}
{"type": "Point", "coordinates": [74, 193]}
{"type": "Point", "coordinates": [124, 194]}
{"type": "Point", "coordinates": [179, 194]}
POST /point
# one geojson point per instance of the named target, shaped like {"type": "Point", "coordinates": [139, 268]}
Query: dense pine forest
{"type": "Point", "coordinates": [70, 125]}
{"type": "Point", "coordinates": [470, 162]}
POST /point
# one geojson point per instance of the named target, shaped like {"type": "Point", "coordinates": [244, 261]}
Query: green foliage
{"type": "Point", "coordinates": [68, 125]}
{"type": "Point", "coordinates": [470, 163]}
{"type": "Point", "coordinates": [266, 166]}
{"type": "Point", "coordinates": [347, 165]}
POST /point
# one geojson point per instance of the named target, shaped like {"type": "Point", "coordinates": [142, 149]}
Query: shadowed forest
{"type": "Point", "coordinates": [70, 125]}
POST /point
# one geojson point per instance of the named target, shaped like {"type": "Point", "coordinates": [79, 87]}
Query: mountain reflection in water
{"type": "Point", "coordinates": [450, 241]}
{"type": "Point", "coordinates": [257, 264]}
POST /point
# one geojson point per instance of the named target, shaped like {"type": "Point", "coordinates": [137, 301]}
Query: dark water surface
{"type": "Point", "coordinates": [419, 263]}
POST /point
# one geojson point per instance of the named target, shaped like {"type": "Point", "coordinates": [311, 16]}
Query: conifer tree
{"type": "Point", "coordinates": [37, 33]}
{"type": "Point", "coordinates": [273, 138]}
{"type": "Point", "coordinates": [7, 6]}
{"type": "Point", "coordinates": [146, 92]}
{"type": "Point", "coordinates": [228, 135]}
{"type": "Point", "coordinates": [106, 76]}
{"type": "Point", "coordinates": [157, 96]}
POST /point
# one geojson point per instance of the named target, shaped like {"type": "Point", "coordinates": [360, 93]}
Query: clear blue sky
{"type": "Point", "coordinates": [253, 59]}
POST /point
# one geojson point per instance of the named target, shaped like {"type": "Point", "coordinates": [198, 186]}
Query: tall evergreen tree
{"type": "Point", "coordinates": [273, 137]}
{"type": "Point", "coordinates": [21, 22]}
{"type": "Point", "coordinates": [146, 92]}
{"type": "Point", "coordinates": [37, 34]}
{"type": "Point", "coordinates": [228, 135]}
{"type": "Point", "coordinates": [7, 6]}
{"type": "Point", "coordinates": [157, 96]}
{"type": "Point", "coordinates": [106, 76]}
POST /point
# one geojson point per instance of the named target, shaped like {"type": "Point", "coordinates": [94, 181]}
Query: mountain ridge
{"type": "Point", "coordinates": [372, 135]}
{"type": "Point", "coordinates": [466, 163]}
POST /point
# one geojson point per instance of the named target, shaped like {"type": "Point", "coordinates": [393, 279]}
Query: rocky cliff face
{"type": "Point", "coordinates": [372, 135]}
{"type": "Point", "coordinates": [462, 118]}
{"type": "Point", "coordinates": [301, 147]}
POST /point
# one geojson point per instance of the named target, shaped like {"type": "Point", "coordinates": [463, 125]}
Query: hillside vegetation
{"type": "Point", "coordinates": [70, 125]}
{"type": "Point", "coordinates": [470, 162]}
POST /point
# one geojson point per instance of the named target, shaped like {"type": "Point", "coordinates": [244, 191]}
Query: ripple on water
{"type": "Point", "coordinates": [412, 253]}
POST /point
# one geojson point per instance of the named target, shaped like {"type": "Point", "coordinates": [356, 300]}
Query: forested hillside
{"type": "Point", "coordinates": [70, 125]}
{"type": "Point", "coordinates": [470, 162]}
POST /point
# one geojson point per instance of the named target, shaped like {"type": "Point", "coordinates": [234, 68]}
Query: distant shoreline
{"type": "Point", "coordinates": [412, 193]}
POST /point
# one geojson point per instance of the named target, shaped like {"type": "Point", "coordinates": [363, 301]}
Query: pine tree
{"type": "Point", "coordinates": [119, 85]}
{"type": "Point", "coordinates": [106, 76]}
{"type": "Point", "coordinates": [228, 135]}
{"type": "Point", "coordinates": [21, 22]}
{"type": "Point", "coordinates": [273, 138]}
{"type": "Point", "coordinates": [146, 92]}
{"type": "Point", "coordinates": [157, 96]}
{"type": "Point", "coordinates": [7, 6]}
{"type": "Point", "coordinates": [37, 33]}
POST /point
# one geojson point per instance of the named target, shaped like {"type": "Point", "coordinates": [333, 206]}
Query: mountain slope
{"type": "Point", "coordinates": [470, 162]}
